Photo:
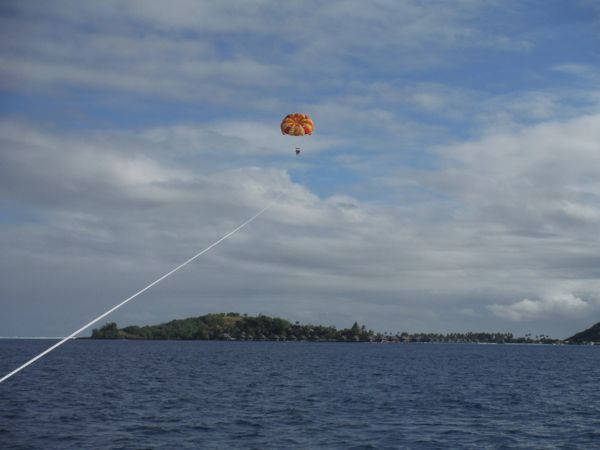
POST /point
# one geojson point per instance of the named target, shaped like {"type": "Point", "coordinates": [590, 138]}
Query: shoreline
{"type": "Point", "coordinates": [50, 338]}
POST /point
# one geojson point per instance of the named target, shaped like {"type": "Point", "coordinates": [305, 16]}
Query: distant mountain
{"type": "Point", "coordinates": [592, 334]}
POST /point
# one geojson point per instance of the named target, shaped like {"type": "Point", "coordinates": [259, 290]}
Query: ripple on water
{"type": "Point", "coordinates": [231, 395]}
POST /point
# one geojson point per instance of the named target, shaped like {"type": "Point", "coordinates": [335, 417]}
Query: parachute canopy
{"type": "Point", "coordinates": [297, 124]}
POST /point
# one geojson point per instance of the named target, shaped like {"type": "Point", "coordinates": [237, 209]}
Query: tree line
{"type": "Point", "coordinates": [241, 327]}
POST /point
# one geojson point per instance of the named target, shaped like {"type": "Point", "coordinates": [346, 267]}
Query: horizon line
{"type": "Point", "coordinates": [32, 337]}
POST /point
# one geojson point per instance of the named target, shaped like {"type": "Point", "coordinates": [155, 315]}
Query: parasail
{"type": "Point", "coordinates": [297, 124]}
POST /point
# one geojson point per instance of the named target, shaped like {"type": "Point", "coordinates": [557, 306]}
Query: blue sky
{"type": "Point", "coordinates": [450, 184]}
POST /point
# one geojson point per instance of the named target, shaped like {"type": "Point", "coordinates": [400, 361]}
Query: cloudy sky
{"type": "Point", "coordinates": [452, 183]}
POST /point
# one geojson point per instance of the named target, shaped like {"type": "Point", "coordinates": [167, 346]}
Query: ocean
{"type": "Point", "coordinates": [94, 394]}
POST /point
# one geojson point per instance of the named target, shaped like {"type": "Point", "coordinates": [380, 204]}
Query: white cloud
{"type": "Point", "coordinates": [51, 168]}
{"type": "Point", "coordinates": [581, 70]}
{"type": "Point", "coordinates": [455, 228]}
{"type": "Point", "coordinates": [104, 209]}
{"type": "Point", "coordinates": [232, 139]}
{"type": "Point", "coordinates": [120, 205]}
{"type": "Point", "coordinates": [558, 303]}
{"type": "Point", "coordinates": [542, 178]}
{"type": "Point", "coordinates": [230, 53]}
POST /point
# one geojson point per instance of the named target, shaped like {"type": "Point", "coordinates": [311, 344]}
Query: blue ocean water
{"type": "Point", "coordinates": [275, 395]}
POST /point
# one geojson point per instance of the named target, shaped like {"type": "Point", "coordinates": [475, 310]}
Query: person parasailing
{"type": "Point", "coordinates": [297, 124]}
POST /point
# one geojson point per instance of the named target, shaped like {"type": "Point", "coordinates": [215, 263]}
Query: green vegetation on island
{"type": "Point", "coordinates": [241, 327]}
{"type": "Point", "coordinates": [234, 326]}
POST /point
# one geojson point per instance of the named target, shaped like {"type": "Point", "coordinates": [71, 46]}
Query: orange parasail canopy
{"type": "Point", "coordinates": [297, 124]}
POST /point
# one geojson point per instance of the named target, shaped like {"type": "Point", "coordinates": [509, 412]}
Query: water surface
{"type": "Point", "coordinates": [275, 395]}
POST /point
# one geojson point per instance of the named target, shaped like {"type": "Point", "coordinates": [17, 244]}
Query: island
{"type": "Point", "coordinates": [242, 327]}
{"type": "Point", "coordinates": [588, 336]}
